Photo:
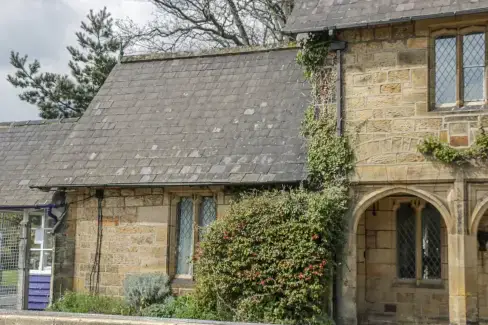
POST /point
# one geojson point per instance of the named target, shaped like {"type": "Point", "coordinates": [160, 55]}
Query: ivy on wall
{"type": "Point", "coordinates": [271, 258]}
{"type": "Point", "coordinates": [436, 150]}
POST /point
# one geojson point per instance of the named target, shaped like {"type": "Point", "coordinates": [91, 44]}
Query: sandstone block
{"type": "Point", "coordinates": [385, 59]}
{"type": "Point", "coordinates": [134, 201]}
{"type": "Point", "coordinates": [403, 125]}
{"type": "Point", "coordinates": [402, 31]}
{"type": "Point", "coordinates": [378, 77]}
{"type": "Point", "coordinates": [362, 79]}
{"type": "Point", "coordinates": [380, 257]}
{"type": "Point", "coordinates": [391, 88]}
{"type": "Point", "coordinates": [379, 126]}
{"type": "Point", "coordinates": [418, 43]}
{"type": "Point", "coordinates": [458, 128]}
{"type": "Point", "coordinates": [399, 75]}
{"type": "Point", "coordinates": [382, 33]}
{"type": "Point", "coordinates": [412, 57]}
{"type": "Point", "coordinates": [127, 192]}
{"type": "Point", "coordinates": [114, 202]}
{"type": "Point", "coordinates": [419, 78]}
{"type": "Point", "coordinates": [142, 191]}
{"type": "Point", "coordinates": [394, 45]}
{"type": "Point", "coordinates": [414, 95]}
{"type": "Point", "coordinates": [153, 214]}
{"type": "Point", "coordinates": [459, 141]}
{"type": "Point", "coordinates": [385, 239]}
{"type": "Point", "coordinates": [404, 111]}
{"type": "Point", "coordinates": [150, 200]}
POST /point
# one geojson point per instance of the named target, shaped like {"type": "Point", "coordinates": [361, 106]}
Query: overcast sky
{"type": "Point", "coordinates": [42, 29]}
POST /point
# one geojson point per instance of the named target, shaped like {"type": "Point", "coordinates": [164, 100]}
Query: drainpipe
{"type": "Point", "coordinates": [338, 47]}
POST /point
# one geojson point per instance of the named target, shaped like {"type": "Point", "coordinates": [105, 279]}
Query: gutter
{"type": "Point", "coordinates": [387, 21]}
{"type": "Point", "coordinates": [133, 185]}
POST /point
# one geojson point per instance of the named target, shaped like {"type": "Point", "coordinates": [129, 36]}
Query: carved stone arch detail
{"type": "Point", "coordinates": [377, 195]}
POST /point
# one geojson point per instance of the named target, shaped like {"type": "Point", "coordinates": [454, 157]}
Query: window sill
{"type": "Point", "coordinates": [182, 283]}
{"type": "Point", "coordinates": [456, 110]}
{"type": "Point", "coordinates": [424, 284]}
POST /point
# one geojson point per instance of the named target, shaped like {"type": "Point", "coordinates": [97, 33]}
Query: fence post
{"type": "Point", "coordinates": [23, 272]}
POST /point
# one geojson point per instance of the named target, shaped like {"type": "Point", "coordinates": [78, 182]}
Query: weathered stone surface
{"type": "Point", "coordinates": [418, 43]}
{"type": "Point", "coordinates": [459, 141]}
{"type": "Point", "coordinates": [399, 75]}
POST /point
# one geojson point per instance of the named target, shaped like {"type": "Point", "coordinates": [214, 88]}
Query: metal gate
{"type": "Point", "coordinates": [10, 232]}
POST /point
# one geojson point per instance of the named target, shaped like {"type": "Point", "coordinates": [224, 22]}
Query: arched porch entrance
{"type": "Point", "coordinates": [398, 258]}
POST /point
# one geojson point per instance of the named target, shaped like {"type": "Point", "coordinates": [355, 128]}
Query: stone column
{"type": "Point", "coordinates": [347, 283]}
{"type": "Point", "coordinates": [463, 272]}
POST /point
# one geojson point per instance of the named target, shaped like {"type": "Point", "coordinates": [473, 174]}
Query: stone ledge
{"type": "Point", "coordinates": [45, 318]}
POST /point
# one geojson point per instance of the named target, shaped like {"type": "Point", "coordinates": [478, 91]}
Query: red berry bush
{"type": "Point", "coordinates": [270, 259]}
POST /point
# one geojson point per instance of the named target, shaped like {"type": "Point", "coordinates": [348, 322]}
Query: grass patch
{"type": "Point", "coordinates": [74, 302]}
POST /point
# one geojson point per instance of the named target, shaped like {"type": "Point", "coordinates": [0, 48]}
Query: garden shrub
{"type": "Point", "coordinates": [74, 302]}
{"type": "Point", "coordinates": [179, 307]}
{"type": "Point", "coordinates": [142, 290]}
{"type": "Point", "coordinates": [270, 259]}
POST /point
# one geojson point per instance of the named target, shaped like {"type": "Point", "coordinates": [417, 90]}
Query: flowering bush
{"type": "Point", "coordinates": [270, 258]}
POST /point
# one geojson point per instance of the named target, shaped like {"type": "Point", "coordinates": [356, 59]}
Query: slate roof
{"type": "Point", "coordinates": [317, 15]}
{"type": "Point", "coordinates": [230, 118]}
{"type": "Point", "coordinates": [25, 149]}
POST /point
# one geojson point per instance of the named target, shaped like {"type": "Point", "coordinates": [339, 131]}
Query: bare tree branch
{"type": "Point", "coordinates": [200, 24]}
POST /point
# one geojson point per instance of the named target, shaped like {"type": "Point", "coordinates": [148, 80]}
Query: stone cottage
{"type": "Point", "coordinates": [157, 154]}
{"type": "Point", "coordinates": [411, 69]}
{"type": "Point", "coordinates": [25, 148]}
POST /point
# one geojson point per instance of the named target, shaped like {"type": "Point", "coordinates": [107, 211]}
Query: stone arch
{"type": "Point", "coordinates": [477, 215]}
{"type": "Point", "coordinates": [373, 197]}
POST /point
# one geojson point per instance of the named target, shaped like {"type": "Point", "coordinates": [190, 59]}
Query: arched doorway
{"type": "Point", "coordinates": [401, 267]}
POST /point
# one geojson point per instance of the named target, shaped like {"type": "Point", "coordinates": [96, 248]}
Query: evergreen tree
{"type": "Point", "coordinates": [60, 95]}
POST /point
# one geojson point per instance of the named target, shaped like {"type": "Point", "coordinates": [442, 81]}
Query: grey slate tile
{"type": "Point", "coordinates": [225, 118]}
{"type": "Point", "coordinates": [25, 149]}
{"type": "Point", "coordinates": [314, 15]}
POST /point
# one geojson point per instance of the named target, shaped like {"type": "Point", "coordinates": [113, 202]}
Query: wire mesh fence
{"type": "Point", "coordinates": [10, 230]}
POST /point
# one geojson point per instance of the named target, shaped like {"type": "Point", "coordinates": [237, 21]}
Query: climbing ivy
{"type": "Point", "coordinates": [437, 150]}
{"type": "Point", "coordinates": [272, 257]}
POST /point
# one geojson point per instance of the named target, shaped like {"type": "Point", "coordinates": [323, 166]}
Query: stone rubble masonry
{"type": "Point", "coordinates": [139, 235]}
{"type": "Point", "coordinates": [386, 103]}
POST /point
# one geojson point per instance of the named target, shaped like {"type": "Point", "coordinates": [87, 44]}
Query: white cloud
{"type": "Point", "coordinates": [43, 29]}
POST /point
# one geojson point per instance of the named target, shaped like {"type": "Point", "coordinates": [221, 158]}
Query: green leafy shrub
{"type": "Point", "coordinates": [270, 258]}
{"type": "Point", "coordinates": [180, 307]}
{"type": "Point", "coordinates": [436, 150]}
{"type": "Point", "coordinates": [142, 290]}
{"type": "Point", "coordinates": [74, 302]}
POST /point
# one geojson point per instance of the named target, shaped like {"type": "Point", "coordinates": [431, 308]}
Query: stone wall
{"type": "Point", "coordinates": [386, 102]}
{"type": "Point", "coordinates": [483, 275]}
{"type": "Point", "coordinates": [380, 294]}
{"type": "Point", "coordinates": [139, 235]}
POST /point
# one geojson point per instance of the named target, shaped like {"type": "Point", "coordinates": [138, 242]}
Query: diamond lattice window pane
{"type": "Point", "coordinates": [474, 66]}
{"type": "Point", "coordinates": [406, 241]}
{"type": "Point", "coordinates": [445, 70]}
{"type": "Point", "coordinates": [431, 243]}
{"type": "Point", "coordinates": [185, 236]}
{"type": "Point", "coordinates": [208, 214]}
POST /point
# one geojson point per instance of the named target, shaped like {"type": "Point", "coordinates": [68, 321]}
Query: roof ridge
{"type": "Point", "coordinates": [159, 56]}
{"type": "Point", "coordinates": [38, 122]}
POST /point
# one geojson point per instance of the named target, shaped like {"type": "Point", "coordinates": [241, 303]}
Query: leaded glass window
{"type": "Point", "coordinates": [474, 67]}
{"type": "Point", "coordinates": [459, 68]}
{"type": "Point", "coordinates": [406, 241]}
{"type": "Point", "coordinates": [190, 231]}
{"type": "Point", "coordinates": [208, 214]}
{"type": "Point", "coordinates": [431, 243]}
{"type": "Point", "coordinates": [185, 236]}
{"type": "Point", "coordinates": [445, 70]}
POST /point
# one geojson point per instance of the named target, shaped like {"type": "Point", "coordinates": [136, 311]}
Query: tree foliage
{"type": "Point", "coordinates": [270, 258]}
{"type": "Point", "coordinates": [60, 95]}
{"type": "Point", "coordinates": [202, 24]}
